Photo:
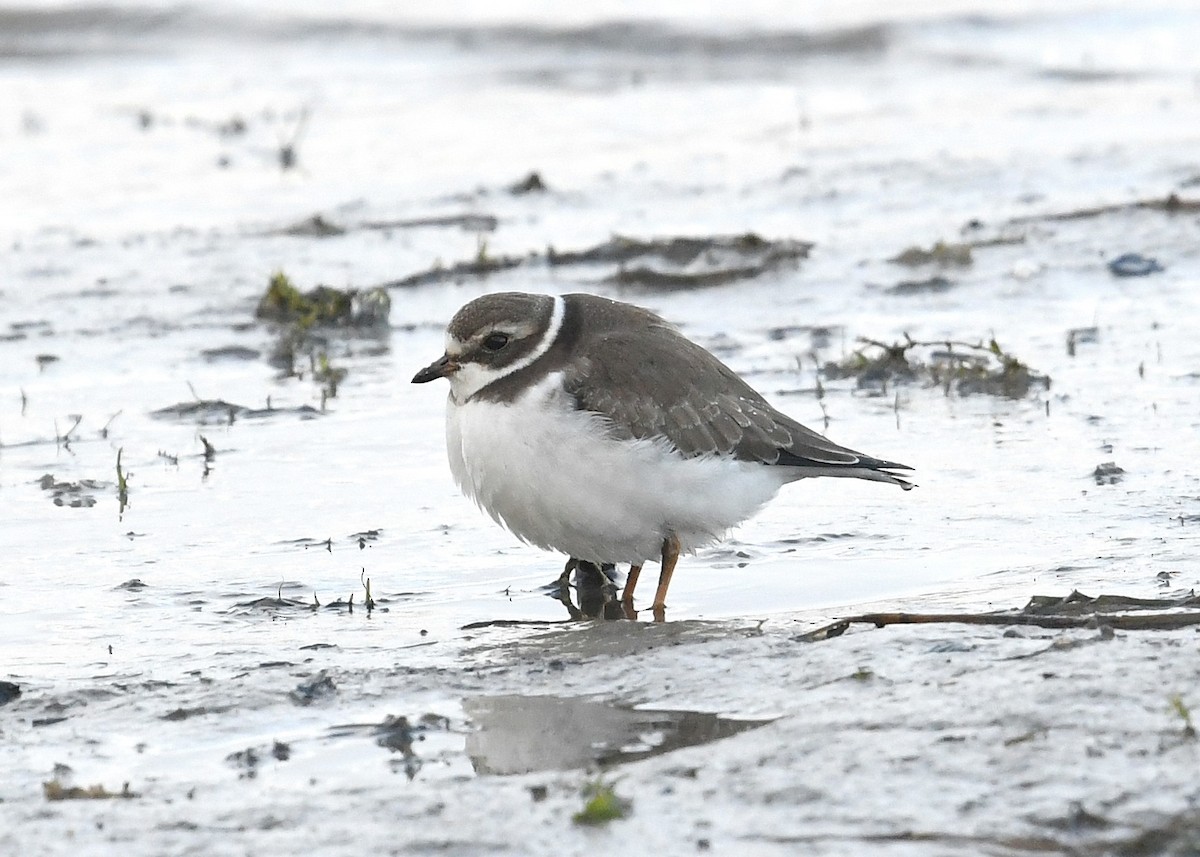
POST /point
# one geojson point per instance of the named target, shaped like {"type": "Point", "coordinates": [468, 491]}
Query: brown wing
{"type": "Point", "coordinates": [653, 382]}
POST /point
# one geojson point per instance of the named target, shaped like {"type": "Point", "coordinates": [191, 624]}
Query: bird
{"type": "Point", "coordinates": [594, 428]}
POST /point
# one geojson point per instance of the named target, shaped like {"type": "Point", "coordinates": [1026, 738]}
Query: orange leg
{"type": "Point", "coordinates": [627, 594]}
{"type": "Point", "coordinates": [670, 556]}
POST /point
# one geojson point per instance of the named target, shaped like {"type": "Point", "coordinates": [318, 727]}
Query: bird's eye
{"type": "Point", "coordinates": [495, 341]}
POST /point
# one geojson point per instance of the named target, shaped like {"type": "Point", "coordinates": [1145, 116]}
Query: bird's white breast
{"type": "Point", "coordinates": [556, 477]}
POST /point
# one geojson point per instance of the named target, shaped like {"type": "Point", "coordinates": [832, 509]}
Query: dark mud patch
{"type": "Point", "coordinates": [532, 183]}
{"type": "Point", "coordinates": [657, 264]}
{"type": "Point", "coordinates": [1089, 833]}
{"type": "Point", "coordinates": [321, 226]}
{"type": "Point", "coordinates": [179, 714]}
{"type": "Point", "coordinates": [662, 39]}
{"type": "Point", "coordinates": [681, 263]}
{"type": "Point", "coordinates": [220, 412]}
{"type": "Point", "coordinates": [1170, 204]}
{"type": "Point", "coordinates": [100, 30]}
{"type": "Point", "coordinates": [469, 222]}
{"type": "Point", "coordinates": [230, 352]}
{"type": "Point", "coordinates": [279, 606]}
{"type": "Point", "coordinates": [932, 286]}
{"type": "Point", "coordinates": [1108, 473]}
{"type": "Point", "coordinates": [318, 689]}
{"type": "Point", "coordinates": [9, 691]}
{"type": "Point", "coordinates": [481, 266]}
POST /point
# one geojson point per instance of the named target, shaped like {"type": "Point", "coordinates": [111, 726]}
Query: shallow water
{"type": "Point", "coordinates": [141, 226]}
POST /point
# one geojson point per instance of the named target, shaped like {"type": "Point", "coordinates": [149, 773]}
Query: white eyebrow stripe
{"type": "Point", "coordinates": [556, 321]}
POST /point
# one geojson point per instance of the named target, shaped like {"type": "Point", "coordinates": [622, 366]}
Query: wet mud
{"type": "Point", "coordinates": [244, 609]}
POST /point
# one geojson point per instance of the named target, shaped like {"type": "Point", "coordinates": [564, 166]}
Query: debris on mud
{"type": "Point", "coordinates": [220, 412]}
{"type": "Point", "coordinates": [304, 319]}
{"type": "Point", "coordinates": [1081, 335]}
{"type": "Point", "coordinates": [682, 262]}
{"type": "Point", "coordinates": [395, 734]}
{"type": "Point", "coordinates": [176, 715]}
{"type": "Point", "coordinates": [1134, 265]}
{"type": "Point", "coordinates": [308, 692]}
{"type": "Point", "coordinates": [941, 253]}
{"type": "Point", "coordinates": [9, 691]}
{"type": "Point", "coordinates": [273, 604]}
{"type": "Point", "coordinates": [248, 760]}
{"type": "Point", "coordinates": [321, 226]}
{"type": "Point", "coordinates": [1114, 612]}
{"type": "Point", "coordinates": [75, 495]}
{"type": "Point", "coordinates": [669, 264]}
{"type": "Point", "coordinates": [398, 734]}
{"type": "Point", "coordinates": [532, 183]}
{"type": "Point", "coordinates": [322, 306]}
{"type": "Point", "coordinates": [1108, 473]}
{"type": "Point", "coordinates": [961, 368]}
{"type": "Point", "coordinates": [482, 265]}
{"type": "Point", "coordinates": [314, 227]}
{"type": "Point", "coordinates": [54, 790]}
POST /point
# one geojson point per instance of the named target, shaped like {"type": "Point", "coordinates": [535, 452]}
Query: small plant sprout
{"type": "Point", "coordinates": [1185, 714]}
{"type": "Point", "coordinates": [602, 804]}
{"type": "Point", "coordinates": [122, 484]}
{"type": "Point", "coordinates": [366, 582]}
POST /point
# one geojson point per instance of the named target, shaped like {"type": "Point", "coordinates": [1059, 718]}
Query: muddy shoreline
{"type": "Point", "coordinates": [243, 608]}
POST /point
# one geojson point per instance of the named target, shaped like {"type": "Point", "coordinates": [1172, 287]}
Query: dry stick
{"type": "Point", "coordinates": [1120, 622]}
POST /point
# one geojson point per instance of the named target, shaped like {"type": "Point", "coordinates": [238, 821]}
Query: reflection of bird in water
{"type": "Point", "coordinates": [596, 586]}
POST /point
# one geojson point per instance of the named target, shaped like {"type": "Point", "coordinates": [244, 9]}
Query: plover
{"type": "Point", "coordinates": [594, 428]}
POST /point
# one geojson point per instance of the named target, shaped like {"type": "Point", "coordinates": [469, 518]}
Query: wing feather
{"type": "Point", "coordinates": [649, 382]}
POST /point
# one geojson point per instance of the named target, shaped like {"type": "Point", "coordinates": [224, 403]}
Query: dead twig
{"type": "Point", "coordinates": [1116, 621]}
